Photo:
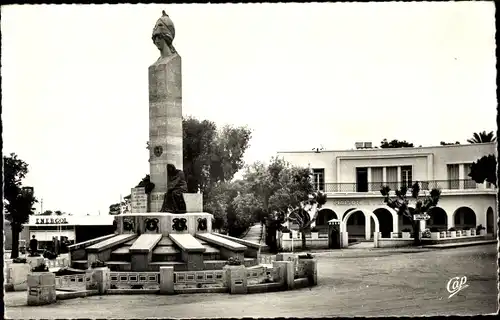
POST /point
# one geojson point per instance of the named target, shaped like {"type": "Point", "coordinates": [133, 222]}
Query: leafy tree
{"type": "Point", "coordinates": [400, 204]}
{"type": "Point", "coordinates": [198, 148]}
{"type": "Point", "coordinates": [269, 193]}
{"type": "Point", "coordinates": [449, 143]}
{"type": "Point", "coordinates": [219, 203]}
{"type": "Point", "coordinates": [395, 144]}
{"type": "Point", "coordinates": [18, 201]}
{"type": "Point", "coordinates": [483, 169]}
{"type": "Point", "coordinates": [306, 213]}
{"type": "Point", "coordinates": [212, 155]}
{"type": "Point", "coordinates": [482, 137]}
{"type": "Point", "coordinates": [46, 213]}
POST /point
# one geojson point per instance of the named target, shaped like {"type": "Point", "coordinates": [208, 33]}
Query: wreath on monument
{"type": "Point", "coordinates": [128, 225]}
{"type": "Point", "coordinates": [152, 224]}
{"type": "Point", "coordinates": [179, 224]}
{"type": "Point", "coordinates": [202, 224]}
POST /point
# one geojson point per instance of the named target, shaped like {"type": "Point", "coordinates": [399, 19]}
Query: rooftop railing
{"type": "Point", "coordinates": [458, 184]}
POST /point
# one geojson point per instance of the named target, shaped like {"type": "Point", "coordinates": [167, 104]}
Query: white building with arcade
{"type": "Point", "coordinates": [352, 180]}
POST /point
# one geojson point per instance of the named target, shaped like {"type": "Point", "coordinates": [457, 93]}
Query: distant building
{"type": "Point", "coordinates": [352, 180]}
{"type": "Point", "coordinates": [73, 227]}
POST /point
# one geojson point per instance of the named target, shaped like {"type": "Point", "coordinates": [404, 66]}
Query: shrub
{"type": "Point", "coordinates": [232, 261]}
{"type": "Point", "coordinates": [434, 229]}
{"type": "Point", "coordinates": [452, 229]}
{"type": "Point", "coordinates": [49, 255]}
{"type": "Point", "coordinates": [306, 256]}
{"type": "Point", "coordinates": [97, 264]}
{"type": "Point", "coordinates": [65, 271]}
{"type": "Point", "coordinates": [406, 230]}
{"type": "Point", "coordinates": [40, 268]}
{"type": "Point", "coordinates": [19, 260]}
{"type": "Point", "coordinates": [479, 228]}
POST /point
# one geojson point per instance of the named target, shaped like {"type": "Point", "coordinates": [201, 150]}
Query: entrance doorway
{"type": "Point", "coordinates": [334, 236]}
{"type": "Point", "coordinates": [361, 179]}
{"type": "Point", "coordinates": [386, 224]}
{"type": "Point", "coordinates": [489, 220]}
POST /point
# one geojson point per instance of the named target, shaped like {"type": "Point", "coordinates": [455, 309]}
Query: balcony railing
{"type": "Point", "coordinates": [464, 184]}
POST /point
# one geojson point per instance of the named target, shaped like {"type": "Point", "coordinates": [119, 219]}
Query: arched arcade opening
{"type": "Point", "coordinates": [324, 215]}
{"type": "Point", "coordinates": [438, 220]}
{"type": "Point", "coordinates": [464, 218]}
{"type": "Point", "coordinates": [355, 224]}
{"type": "Point", "coordinates": [385, 219]}
{"type": "Point", "coordinates": [490, 227]}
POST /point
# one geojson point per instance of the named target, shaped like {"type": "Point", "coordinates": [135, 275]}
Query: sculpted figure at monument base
{"type": "Point", "coordinates": [174, 200]}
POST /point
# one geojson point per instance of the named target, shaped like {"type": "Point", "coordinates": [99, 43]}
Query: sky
{"type": "Point", "coordinates": [301, 76]}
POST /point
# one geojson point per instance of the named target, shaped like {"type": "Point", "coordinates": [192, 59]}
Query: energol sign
{"type": "Point", "coordinates": [51, 221]}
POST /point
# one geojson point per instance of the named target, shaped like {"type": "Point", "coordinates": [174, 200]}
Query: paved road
{"type": "Point", "coordinates": [351, 283]}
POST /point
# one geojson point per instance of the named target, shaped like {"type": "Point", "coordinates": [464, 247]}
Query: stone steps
{"type": "Point", "coordinates": [122, 250]}
{"type": "Point", "coordinates": [178, 266]}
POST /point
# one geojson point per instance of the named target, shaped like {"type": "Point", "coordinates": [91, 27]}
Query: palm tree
{"type": "Point", "coordinates": [482, 137]}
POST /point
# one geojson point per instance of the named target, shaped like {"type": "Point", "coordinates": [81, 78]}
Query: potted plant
{"type": "Point", "coordinates": [314, 233]}
{"type": "Point", "coordinates": [19, 260]}
{"type": "Point", "coordinates": [459, 232]}
{"type": "Point", "coordinates": [453, 232]}
{"type": "Point", "coordinates": [406, 233]}
{"type": "Point", "coordinates": [434, 233]}
{"type": "Point", "coordinates": [40, 268]}
{"type": "Point", "coordinates": [472, 231]}
{"type": "Point", "coordinates": [481, 230]}
{"type": "Point", "coordinates": [394, 235]}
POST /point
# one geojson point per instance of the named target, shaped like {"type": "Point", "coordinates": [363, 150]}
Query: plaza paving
{"type": "Point", "coordinates": [352, 282]}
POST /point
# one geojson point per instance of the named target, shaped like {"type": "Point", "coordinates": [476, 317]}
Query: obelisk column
{"type": "Point", "coordinates": [165, 111]}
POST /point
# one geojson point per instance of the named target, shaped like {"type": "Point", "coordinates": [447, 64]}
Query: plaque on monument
{"type": "Point", "coordinates": [139, 200]}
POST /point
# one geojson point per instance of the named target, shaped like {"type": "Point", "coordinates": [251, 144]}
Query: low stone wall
{"type": "Point", "coordinates": [394, 242]}
{"type": "Point", "coordinates": [400, 242]}
{"type": "Point", "coordinates": [446, 240]}
{"type": "Point", "coordinates": [320, 243]}
{"type": "Point", "coordinates": [289, 273]}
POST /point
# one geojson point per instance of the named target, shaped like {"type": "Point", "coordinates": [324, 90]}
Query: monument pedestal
{"type": "Point", "coordinates": [165, 124]}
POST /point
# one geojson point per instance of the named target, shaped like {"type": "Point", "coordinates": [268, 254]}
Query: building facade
{"type": "Point", "coordinates": [352, 180]}
{"type": "Point", "coordinates": [73, 228]}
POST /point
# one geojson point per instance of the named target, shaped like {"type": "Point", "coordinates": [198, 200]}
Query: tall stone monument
{"type": "Point", "coordinates": [165, 110]}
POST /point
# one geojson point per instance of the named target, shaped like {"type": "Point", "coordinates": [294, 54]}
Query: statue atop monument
{"type": "Point", "coordinates": [174, 200]}
{"type": "Point", "coordinates": [163, 36]}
